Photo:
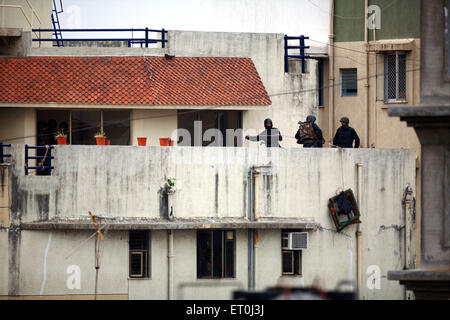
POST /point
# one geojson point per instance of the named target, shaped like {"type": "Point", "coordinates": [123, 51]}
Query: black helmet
{"type": "Point", "coordinates": [267, 121]}
{"type": "Point", "coordinates": [311, 118]}
{"type": "Point", "coordinates": [344, 119]}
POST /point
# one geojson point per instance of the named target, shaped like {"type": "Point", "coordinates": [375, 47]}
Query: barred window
{"type": "Point", "coordinates": [395, 77]}
{"type": "Point", "coordinates": [349, 82]}
{"type": "Point", "coordinates": [139, 254]}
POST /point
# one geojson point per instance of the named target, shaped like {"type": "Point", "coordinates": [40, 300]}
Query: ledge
{"type": "Point", "coordinates": [419, 275]}
{"type": "Point", "coordinates": [117, 223]}
{"type": "Point", "coordinates": [423, 116]}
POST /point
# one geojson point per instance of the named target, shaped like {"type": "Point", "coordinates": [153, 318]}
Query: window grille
{"type": "Point", "coordinates": [395, 77]}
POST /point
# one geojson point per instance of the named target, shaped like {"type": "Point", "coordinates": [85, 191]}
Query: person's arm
{"type": "Point", "coordinates": [335, 138]}
{"type": "Point", "coordinates": [355, 136]}
{"type": "Point", "coordinates": [255, 138]}
{"type": "Point", "coordinates": [280, 137]}
{"type": "Point", "coordinates": [297, 136]}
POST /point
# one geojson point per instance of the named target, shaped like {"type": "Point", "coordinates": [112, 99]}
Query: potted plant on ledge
{"type": "Point", "coordinates": [61, 137]}
{"type": "Point", "coordinates": [100, 137]}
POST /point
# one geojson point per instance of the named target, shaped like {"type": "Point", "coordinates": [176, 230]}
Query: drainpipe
{"type": "Point", "coordinates": [251, 236]}
{"type": "Point", "coordinates": [331, 76]}
{"type": "Point", "coordinates": [170, 256]}
{"type": "Point", "coordinates": [359, 235]}
{"type": "Point", "coordinates": [407, 203]}
{"type": "Point", "coordinates": [366, 82]}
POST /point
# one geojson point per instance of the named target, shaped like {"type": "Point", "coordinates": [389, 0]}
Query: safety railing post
{"type": "Point", "coordinates": [302, 52]}
{"type": "Point", "coordinates": [26, 159]}
{"type": "Point", "coordinates": [286, 61]}
{"type": "Point", "coordinates": [146, 37]}
{"type": "Point", "coordinates": [163, 38]}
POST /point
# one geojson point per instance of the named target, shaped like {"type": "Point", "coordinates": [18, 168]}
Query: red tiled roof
{"type": "Point", "coordinates": [131, 81]}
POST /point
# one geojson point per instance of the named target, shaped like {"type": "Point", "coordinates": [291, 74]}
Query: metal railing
{"type": "Point", "coordinates": [4, 155]}
{"type": "Point", "coordinates": [302, 48]}
{"type": "Point", "coordinates": [46, 160]}
{"type": "Point", "coordinates": [144, 40]}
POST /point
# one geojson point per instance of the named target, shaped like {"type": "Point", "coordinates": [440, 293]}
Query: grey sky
{"type": "Point", "coordinates": [292, 17]}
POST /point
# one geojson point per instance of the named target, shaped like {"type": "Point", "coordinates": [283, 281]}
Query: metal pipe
{"type": "Point", "coordinates": [251, 236]}
{"type": "Point", "coordinates": [366, 83]}
{"type": "Point", "coordinates": [359, 235]}
{"type": "Point", "coordinates": [255, 195]}
{"type": "Point", "coordinates": [331, 76]}
{"type": "Point", "coordinates": [170, 267]}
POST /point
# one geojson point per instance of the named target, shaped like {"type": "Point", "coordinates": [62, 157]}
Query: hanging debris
{"type": "Point", "coordinates": [344, 209]}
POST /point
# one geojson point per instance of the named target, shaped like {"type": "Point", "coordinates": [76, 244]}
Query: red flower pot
{"type": "Point", "coordinates": [170, 142]}
{"type": "Point", "coordinates": [61, 140]}
{"type": "Point", "coordinates": [142, 141]}
{"type": "Point", "coordinates": [101, 141]}
{"type": "Point", "coordinates": [164, 142]}
{"type": "Point", "coordinates": [108, 142]}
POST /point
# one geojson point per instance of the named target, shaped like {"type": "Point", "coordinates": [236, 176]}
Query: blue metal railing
{"type": "Point", "coordinates": [46, 165]}
{"type": "Point", "coordinates": [302, 48]}
{"type": "Point", "coordinates": [144, 41]}
{"type": "Point", "coordinates": [4, 155]}
{"type": "Point", "coordinates": [56, 26]}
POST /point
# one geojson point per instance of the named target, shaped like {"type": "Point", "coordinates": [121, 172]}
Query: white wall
{"type": "Point", "coordinates": [18, 125]}
{"type": "Point", "coordinates": [153, 124]}
{"type": "Point", "coordinates": [16, 18]}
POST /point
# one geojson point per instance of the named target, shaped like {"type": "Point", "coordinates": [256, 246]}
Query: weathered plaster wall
{"type": "Point", "coordinates": [126, 181]}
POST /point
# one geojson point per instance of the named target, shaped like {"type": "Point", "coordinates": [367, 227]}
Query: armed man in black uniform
{"type": "Point", "coordinates": [345, 135]}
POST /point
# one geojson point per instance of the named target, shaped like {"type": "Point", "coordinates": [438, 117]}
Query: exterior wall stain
{"type": "Point", "coordinates": [384, 228]}
{"type": "Point", "coordinates": [14, 239]}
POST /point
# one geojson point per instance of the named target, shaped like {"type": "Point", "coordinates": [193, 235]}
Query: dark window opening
{"type": "Point", "coordinates": [292, 262]}
{"type": "Point", "coordinates": [215, 253]}
{"type": "Point", "coordinates": [211, 119]}
{"type": "Point", "coordinates": [349, 82]}
{"type": "Point", "coordinates": [139, 253]}
{"type": "Point", "coordinates": [320, 81]}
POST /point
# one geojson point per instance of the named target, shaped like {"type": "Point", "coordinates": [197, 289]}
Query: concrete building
{"type": "Point", "coordinates": [47, 253]}
{"type": "Point", "coordinates": [18, 18]}
{"type": "Point", "coordinates": [373, 63]}
{"type": "Point", "coordinates": [224, 227]}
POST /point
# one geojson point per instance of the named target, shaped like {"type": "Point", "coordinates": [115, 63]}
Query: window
{"type": "Point", "coordinates": [215, 253]}
{"type": "Point", "coordinates": [395, 77]}
{"type": "Point", "coordinates": [349, 82]}
{"type": "Point", "coordinates": [139, 254]}
{"type": "Point", "coordinates": [81, 126]}
{"type": "Point", "coordinates": [291, 259]}
{"type": "Point", "coordinates": [320, 82]}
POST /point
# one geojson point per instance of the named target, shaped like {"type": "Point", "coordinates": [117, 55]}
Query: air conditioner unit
{"type": "Point", "coordinates": [295, 240]}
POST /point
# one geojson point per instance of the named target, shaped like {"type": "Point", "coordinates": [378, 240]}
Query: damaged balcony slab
{"type": "Point", "coordinates": [426, 284]}
{"type": "Point", "coordinates": [120, 223]}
